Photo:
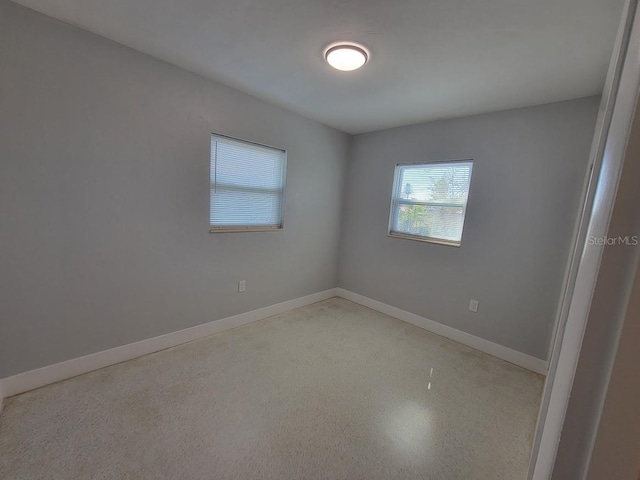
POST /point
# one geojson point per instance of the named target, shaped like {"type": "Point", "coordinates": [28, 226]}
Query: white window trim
{"type": "Point", "coordinates": [395, 202]}
{"type": "Point", "coordinates": [253, 228]}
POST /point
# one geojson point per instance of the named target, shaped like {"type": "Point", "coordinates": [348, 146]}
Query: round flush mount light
{"type": "Point", "coordinates": [346, 57]}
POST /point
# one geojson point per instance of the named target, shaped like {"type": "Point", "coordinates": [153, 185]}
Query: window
{"type": "Point", "coordinates": [247, 186]}
{"type": "Point", "coordinates": [429, 201]}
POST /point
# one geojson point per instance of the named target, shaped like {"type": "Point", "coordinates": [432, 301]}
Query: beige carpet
{"type": "Point", "coordinates": [329, 391]}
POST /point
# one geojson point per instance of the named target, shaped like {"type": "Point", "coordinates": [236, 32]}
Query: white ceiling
{"type": "Point", "coordinates": [429, 58]}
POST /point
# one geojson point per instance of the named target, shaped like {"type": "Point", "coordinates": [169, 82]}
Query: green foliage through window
{"type": "Point", "coordinates": [430, 200]}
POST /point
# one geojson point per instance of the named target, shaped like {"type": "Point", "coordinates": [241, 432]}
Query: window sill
{"type": "Point", "coordinates": [417, 238]}
{"type": "Point", "coordinates": [244, 229]}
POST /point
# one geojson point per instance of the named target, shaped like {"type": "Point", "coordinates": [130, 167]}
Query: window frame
{"type": "Point", "coordinates": [249, 228]}
{"type": "Point", "coordinates": [395, 204]}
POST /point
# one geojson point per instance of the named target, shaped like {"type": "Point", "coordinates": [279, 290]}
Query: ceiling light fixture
{"type": "Point", "coordinates": [346, 57]}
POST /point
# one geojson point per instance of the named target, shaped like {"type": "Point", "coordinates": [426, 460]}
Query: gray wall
{"type": "Point", "coordinates": [104, 157]}
{"type": "Point", "coordinates": [517, 234]}
{"type": "Point", "coordinates": [104, 164]}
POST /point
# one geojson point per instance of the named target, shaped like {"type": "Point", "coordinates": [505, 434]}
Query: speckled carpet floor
{"type": "Point", "coordinates": [329, 391]}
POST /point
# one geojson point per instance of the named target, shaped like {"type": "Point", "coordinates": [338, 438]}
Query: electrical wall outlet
{"type": "Point", "coordinates": [242, 285]}
{"type": "Point", "coordinates": [473, 305]}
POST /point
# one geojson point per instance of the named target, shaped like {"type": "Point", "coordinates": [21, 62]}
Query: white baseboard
{"type": "Point", "coordinates": [40, 377]}
{"type": "Point", "coordinates": [512, 356]}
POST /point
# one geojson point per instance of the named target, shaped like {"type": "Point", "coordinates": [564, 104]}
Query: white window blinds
{"type": "Point", "coordinates": [429, 201]}
{"type": "Point", "coordinates": [247, 185]}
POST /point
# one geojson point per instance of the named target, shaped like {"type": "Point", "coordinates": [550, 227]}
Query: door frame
{"type": "Point", "coordinates": [615, 115]}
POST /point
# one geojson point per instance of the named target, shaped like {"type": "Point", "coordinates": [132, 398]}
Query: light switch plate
{"type": "Point", "coordinates": [473, 305]}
